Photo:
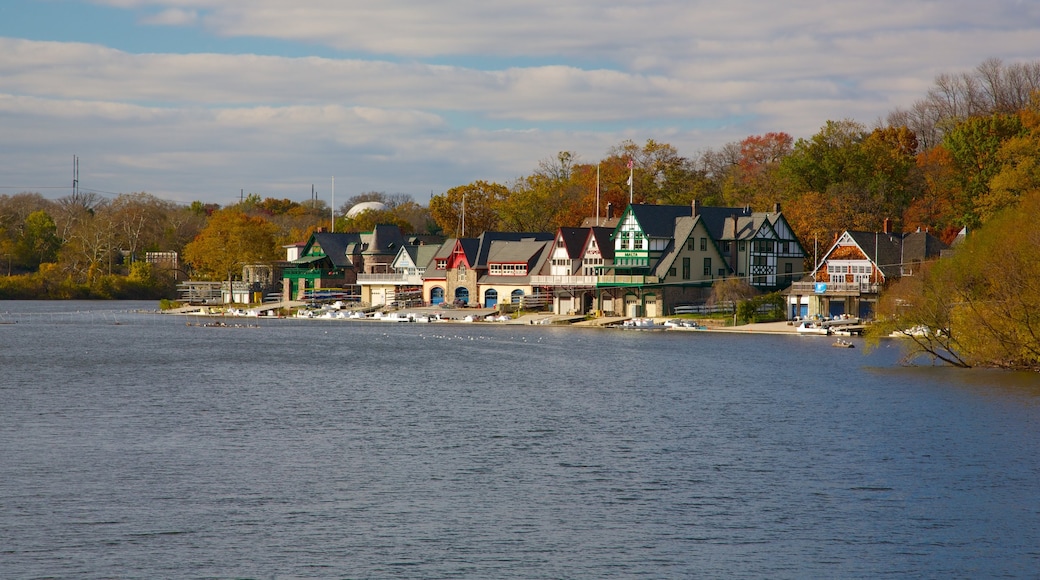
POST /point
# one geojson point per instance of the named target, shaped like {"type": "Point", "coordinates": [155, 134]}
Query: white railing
{"type": "Point", "coordinates": [835, 287]}
{"type": "Point", "coordinates": [390, 278]}
{"type": "Point", "coordinates": [563, 281]}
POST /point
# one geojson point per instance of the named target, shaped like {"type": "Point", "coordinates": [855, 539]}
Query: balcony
{"type": "Point", "coordinates": [569, 281]}
{"type": "Point", "coordinates": [627, 280]}
{"type": "Point", "coordinates": [835, 288]}
{"type": "Point", "coordinates": [391, 278]}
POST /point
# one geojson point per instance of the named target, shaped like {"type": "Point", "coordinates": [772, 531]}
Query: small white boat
{"type": "Point", "coordinates": [842, 343]}
{"type": "Point", "coordinates": [642, 324]}
{"type": "Point", "coordinates": [811, 327]}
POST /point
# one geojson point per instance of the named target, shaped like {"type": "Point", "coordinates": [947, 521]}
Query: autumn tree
{"type": "Point", "coordinates": [978, 307]}
{"type": "Point", "coordinates": [230, 240]}
{"type": "Point", "coordinates": [549, 198]}
{"type": "Point", "coordinates": [479, 200]}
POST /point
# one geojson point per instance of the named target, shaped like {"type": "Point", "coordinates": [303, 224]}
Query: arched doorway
{"type": "Point", "coordinates": [436, 295]}
{"type": "Point", "coordinates": [462, 295]}
{"type": "Point", "coordinates": [516, 296]}
{"type": "Point", "coordinates": [490, 298]}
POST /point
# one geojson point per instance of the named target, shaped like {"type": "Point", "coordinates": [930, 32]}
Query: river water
{"type": "Point", "coordinates": [133, 445]}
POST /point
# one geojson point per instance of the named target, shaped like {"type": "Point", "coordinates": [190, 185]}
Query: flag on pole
{"type": "Point", "coordinates": [629, 173]}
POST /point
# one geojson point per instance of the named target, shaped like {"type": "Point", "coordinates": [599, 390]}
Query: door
{"type": "Point", "coordinates": [490, 298]}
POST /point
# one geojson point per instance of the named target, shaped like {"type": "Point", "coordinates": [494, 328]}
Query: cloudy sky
{"type": "Point", "coordinates": [203, 99]}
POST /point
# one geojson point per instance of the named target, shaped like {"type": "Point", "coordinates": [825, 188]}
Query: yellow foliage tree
{"type": "Point", "coordinates": [229, 240]}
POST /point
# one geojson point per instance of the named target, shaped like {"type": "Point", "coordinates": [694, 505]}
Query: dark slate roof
{"type": "Point", "coordinates": [658, 221]}
{"type": "Point", "coordinates": [335, 246]}
{"type": "Point", "coordinates": [717, 218]}
{"type": "Point", "coordinates": [882, 249]}
{"type": "Point", "coordinates": [383, 239]}
{"type": "Point", "coordinates": [574, 240]}
{"type": "Point", "coordinates": [921, 246]}
{"type": "Point", "coordinates": [602, 236]}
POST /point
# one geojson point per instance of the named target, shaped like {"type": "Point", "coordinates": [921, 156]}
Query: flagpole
{"type": "Point", "coordinates": [597, 194]}
{"type": "Point", "coordinates": [629, 182]}
{"type": "Point", "coordinates": [333, 228]}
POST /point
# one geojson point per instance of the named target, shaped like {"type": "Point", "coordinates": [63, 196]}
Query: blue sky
{"type": "Point", "coordinates": [202, 99]}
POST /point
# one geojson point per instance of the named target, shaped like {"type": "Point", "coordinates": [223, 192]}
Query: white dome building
{"type": "Point", "coordinates": [365, 206]}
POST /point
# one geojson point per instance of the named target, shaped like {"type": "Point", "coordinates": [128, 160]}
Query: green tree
{"type": "Point", "coordinates": [974, 146]}
{"type": "Point", "coordinates": [39, 241]}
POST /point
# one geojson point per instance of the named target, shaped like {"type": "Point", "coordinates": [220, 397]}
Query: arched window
{"type": "Point", "coordinates": [516, 296]}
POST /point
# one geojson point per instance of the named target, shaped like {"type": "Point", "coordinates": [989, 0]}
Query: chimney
{"type": "Point", "coordinates": [734, 256]}
{"type": "Point", "coordinates": [886, 226]}
{"type": "Point", "coordinates": [696, 208]}
{"type": "Point", "coordinates": [776, 207]}
{"type": "Point", "coordinates": [610, 211]}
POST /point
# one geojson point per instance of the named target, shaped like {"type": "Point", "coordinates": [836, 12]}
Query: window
{"type": "Point", "coordinates": [743, 246]}
{"type": "Point", "coordinates": [704, 244]}
{"type": "Point", "coordinates": [707, 266]}
{"type": "Point", "coordinates": [462, 271]}
{"type": "Point", "coordinates": [671, 271]}
{"type": "Point", "coordinates": [686, 268]}
{"type": "Point", "coordinates": [722, 272]}
{"type": "Point", "coordinates": [788, 272]}
{"type": "Point", "coordinates": [689, 244]}
{"type": "Point", "coordinates": [726, 247]}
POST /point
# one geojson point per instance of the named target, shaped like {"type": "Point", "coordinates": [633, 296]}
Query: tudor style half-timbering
{"type": "Point", "coordinates": [763, 248]}
{"type": "Point", "coordinates": [653, 254]}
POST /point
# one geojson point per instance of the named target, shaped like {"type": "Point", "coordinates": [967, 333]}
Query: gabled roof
{"type": "Point", "coordinates": [883, 250]}
{"type": "Point", "coordinates": [533, 253]}
{"type": "Point", "coordinates": [602, 237]}
{"type": "Point", "coordinates": [383, 239]}
{"type": "Point", "coordinates": [443, 252]}
{"type": "Point", "coordinates": [658, 221]}
{"type": "Point", "coordinates": [717, 218]}
{"type": "Point", "coordinates": [573, 240]}
{"type": "Point", "coordinates": [921, 246]}
{"type": "Point", "coordinates": [476, 249]}
{"type": "Point", "coordinates": [420, 256]}
{"type": "Point", "coordinates": [509, 252]}
{"type": "Point", "coordinates": [335, 246]}
{"type": "Point", "coordinates": [684, 226]}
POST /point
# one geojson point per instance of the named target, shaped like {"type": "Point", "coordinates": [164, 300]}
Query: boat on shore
{"type": "Point", "coordinates": [811, 328]}
{"type": "Point", "coordinates": [641, 324]}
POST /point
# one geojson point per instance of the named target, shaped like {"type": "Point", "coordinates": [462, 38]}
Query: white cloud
{"type": "Point", "coordinates": [400, 113]}
{"type": "Point", "coordinates": [172, 17]}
